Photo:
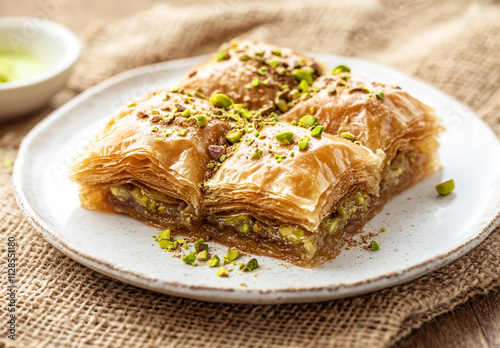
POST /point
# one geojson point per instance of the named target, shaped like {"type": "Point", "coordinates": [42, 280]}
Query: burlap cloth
{"type": "Point", "coordinates": [454, 45]}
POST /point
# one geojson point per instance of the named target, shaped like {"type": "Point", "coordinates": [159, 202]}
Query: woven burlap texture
{"type": "Point", "coordinates": [453, 45]}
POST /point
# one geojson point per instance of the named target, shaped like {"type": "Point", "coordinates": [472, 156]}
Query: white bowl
{"type": "Point", "coordinates": [56, 46]}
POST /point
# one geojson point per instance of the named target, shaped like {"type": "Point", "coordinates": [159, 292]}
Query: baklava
{"type": "Point", "coordinates": [291, 166]}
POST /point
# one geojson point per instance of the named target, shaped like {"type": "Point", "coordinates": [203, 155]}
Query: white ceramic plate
{"type": "Point", "coordinates": [424, 231]}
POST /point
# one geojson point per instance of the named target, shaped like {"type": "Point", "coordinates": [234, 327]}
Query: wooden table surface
{"type": "Point", "coordinates": [474, 324]}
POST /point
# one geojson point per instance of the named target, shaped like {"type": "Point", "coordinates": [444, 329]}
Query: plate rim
{"type": "Point", "coordinates": [213, 294]}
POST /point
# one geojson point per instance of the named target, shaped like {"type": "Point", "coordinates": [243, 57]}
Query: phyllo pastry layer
{"type": "Point", "coordinates": [159, 143]}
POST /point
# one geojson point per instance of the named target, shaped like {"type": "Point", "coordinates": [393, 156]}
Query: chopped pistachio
{"type": "Point", "coordinates": [232, 254]}
{"type": "Point", "coordinates": [234, 135]}
{"type": "Point", "coordinates": [262, 70]}
{"type": "Point", "coordinates": [308, 121]}
{"type": "Point", "coordinates": [383, 229]}
{"type": "Point", "coordinates": [186, 113]}
{"type": "Point", "coordinates": [164, 235]}
{"type": "Point", "coordinates": [255, 82]}
{"type": "Point", "coordinates": [157, 140]}
{"type": "Point", "coordinates": [221, 100]}
{"type": "Point", "coordinates": [281, 104]}
{"type": "Point", "coordinates": [274, 117]}
{"type": "Point", "coordinates": [223, 55]}
{"type": "Point", "coordinates": [366, 90]}
{"type": "Point", "coordinates": [189, 258]}
{"type": "Point", "coordinates": [200, 245]}
{"type": "Point", "coordinates": [273, 63]}
{"type": "Point", "coordinates": [222, 158]}
{"type": "Point", "coordinates": [214, 261]}
{"type": "Point", "coordinates": [183, 132]}
{"type": "Point", "coordinates": [445, 188]}
{"type": "Point", "coordinates": [284, 138]}
{"type": "Point", "coordinates": [303, 86]}
{"type": "Point", "coordinates": [340, 68]}
{"type": "Point", "coordinates": [173, 90]}
{"type": "Point", "coordinates": [292, 154]}
{"type": "Point", "coordinates": [380, 95]}
{"type": "Point", "coordinates": [246, 114]}
{"type": "Point", "coordinates": [375, 246]}
{"type": "Point", "coordinates": [347, 135]}
{"type": "Point", "coordinates": [281, 70]}
{"type": "Point", "coordinates": [303, 142]}
{"type": "Point", "coordinates": [244, 57]}
{"type": "Point", "coordinates": [245, 228]}
{"type": "Point", "coordinates": [257, 154]}
{"type": "Point", "coordinates": [167, 244]}
{"type": "Point", "coordinates": [222, 272]}
{"type": "Point", "coordinates": [279, 158]}
{"type": "Point", "coordinates": [202, 256]}
{"type": "Point", "coordinates": [276, 52]}
{"type": "Point", "coordinates": [303, 75]}
{"type": "Point", "coordinates": [202, 120]}
{"type": "Point", "coordinates": [316, 132]}
{"type": "Point", "coordinates": [357, 142]}
{"type": "Point", "coordinates": [250, 266]}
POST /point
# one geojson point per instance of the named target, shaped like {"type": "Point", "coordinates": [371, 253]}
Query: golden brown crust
{"type": "Point", "coordinates": [269, 67]}
{"type": "Point", "coordinates": [394, 121]}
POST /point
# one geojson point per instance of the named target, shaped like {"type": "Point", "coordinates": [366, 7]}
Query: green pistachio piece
{"type": "Point", "coordinates": [316, 132]}
{"type": "Point", "coordinates": [445, 188]}
{"type": "Point", "coordinates": [222, 272]}
{"type": "Point", "coordinates": [245, 228]}
{"type": "Point", "coordinates": [284, 138]}
{"type": "Point", "coordinates": [262, 70]}
{"type": "Point", "coordinates": [303, 86]}
{"type": "Point", "coordinates": [281, 104]}
{"type": "Point", "coordinates": [250, 266]}
{"type": "Point", "coordinates": [214, 261]}
{"type": "Point", "coordinates": [223, 55]}
{"type": "Point", "coordinates": [200, 245]}
{"type": "Point", "coordinates": [255, 82]}
{"type": "Point", "coordinates": [274, 117]}
{"type": "Point", "coordinates": [347, 135]}
{"type": "Point", "coordinates": [383, 229]}
{"type": "Point", "coordinates": [189, 258]}
{"type": "Point", "coordinates": [340, 69]}
{"type": "Point", "coordinates": [234, 135]}
{"type": "Point", "coordinates": [375, 246]}
{"type": "Point", "coordinates": [168, 244]}
{"type": "Point", "coordinates": [232, 254]}
{"type": "Point", "coordinates": [273, 63]}
{"type": "Point", "coordinates": [380, 95]}
{"type": "Point", "coordinates": [366, 90]}
{"type": "Point", "coordinates": [164, 235]}
{"type": "Point", "coordinates": [202, 256]}
{"type": "Point", "coordinates": [308, 121]}
{"type": "Point", "coordinates": [281, 70]}
{"type": "Point", "coordinates": [303, 75]}
{"type": "Point", "coordinates": [174, 90]}
{"type": "Point", "coordinates": [202, 120]}
{"type": "Point", "coordinates": [246, 114]}
{"type": "Point", "coordinates": [183, 132]}
{"type": "Point", "coordinates": [244, 57]}
{"type": "Point", "coordinates": [221, 100]}
{"type": "Point", "coordinates": [186, 113]}
{"type": "Point", "coordinates": [303, 142]}
{"type": "Point", "coordinates": [276, 52]}
{"type": "Point", "coordinates": [257, 154]}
